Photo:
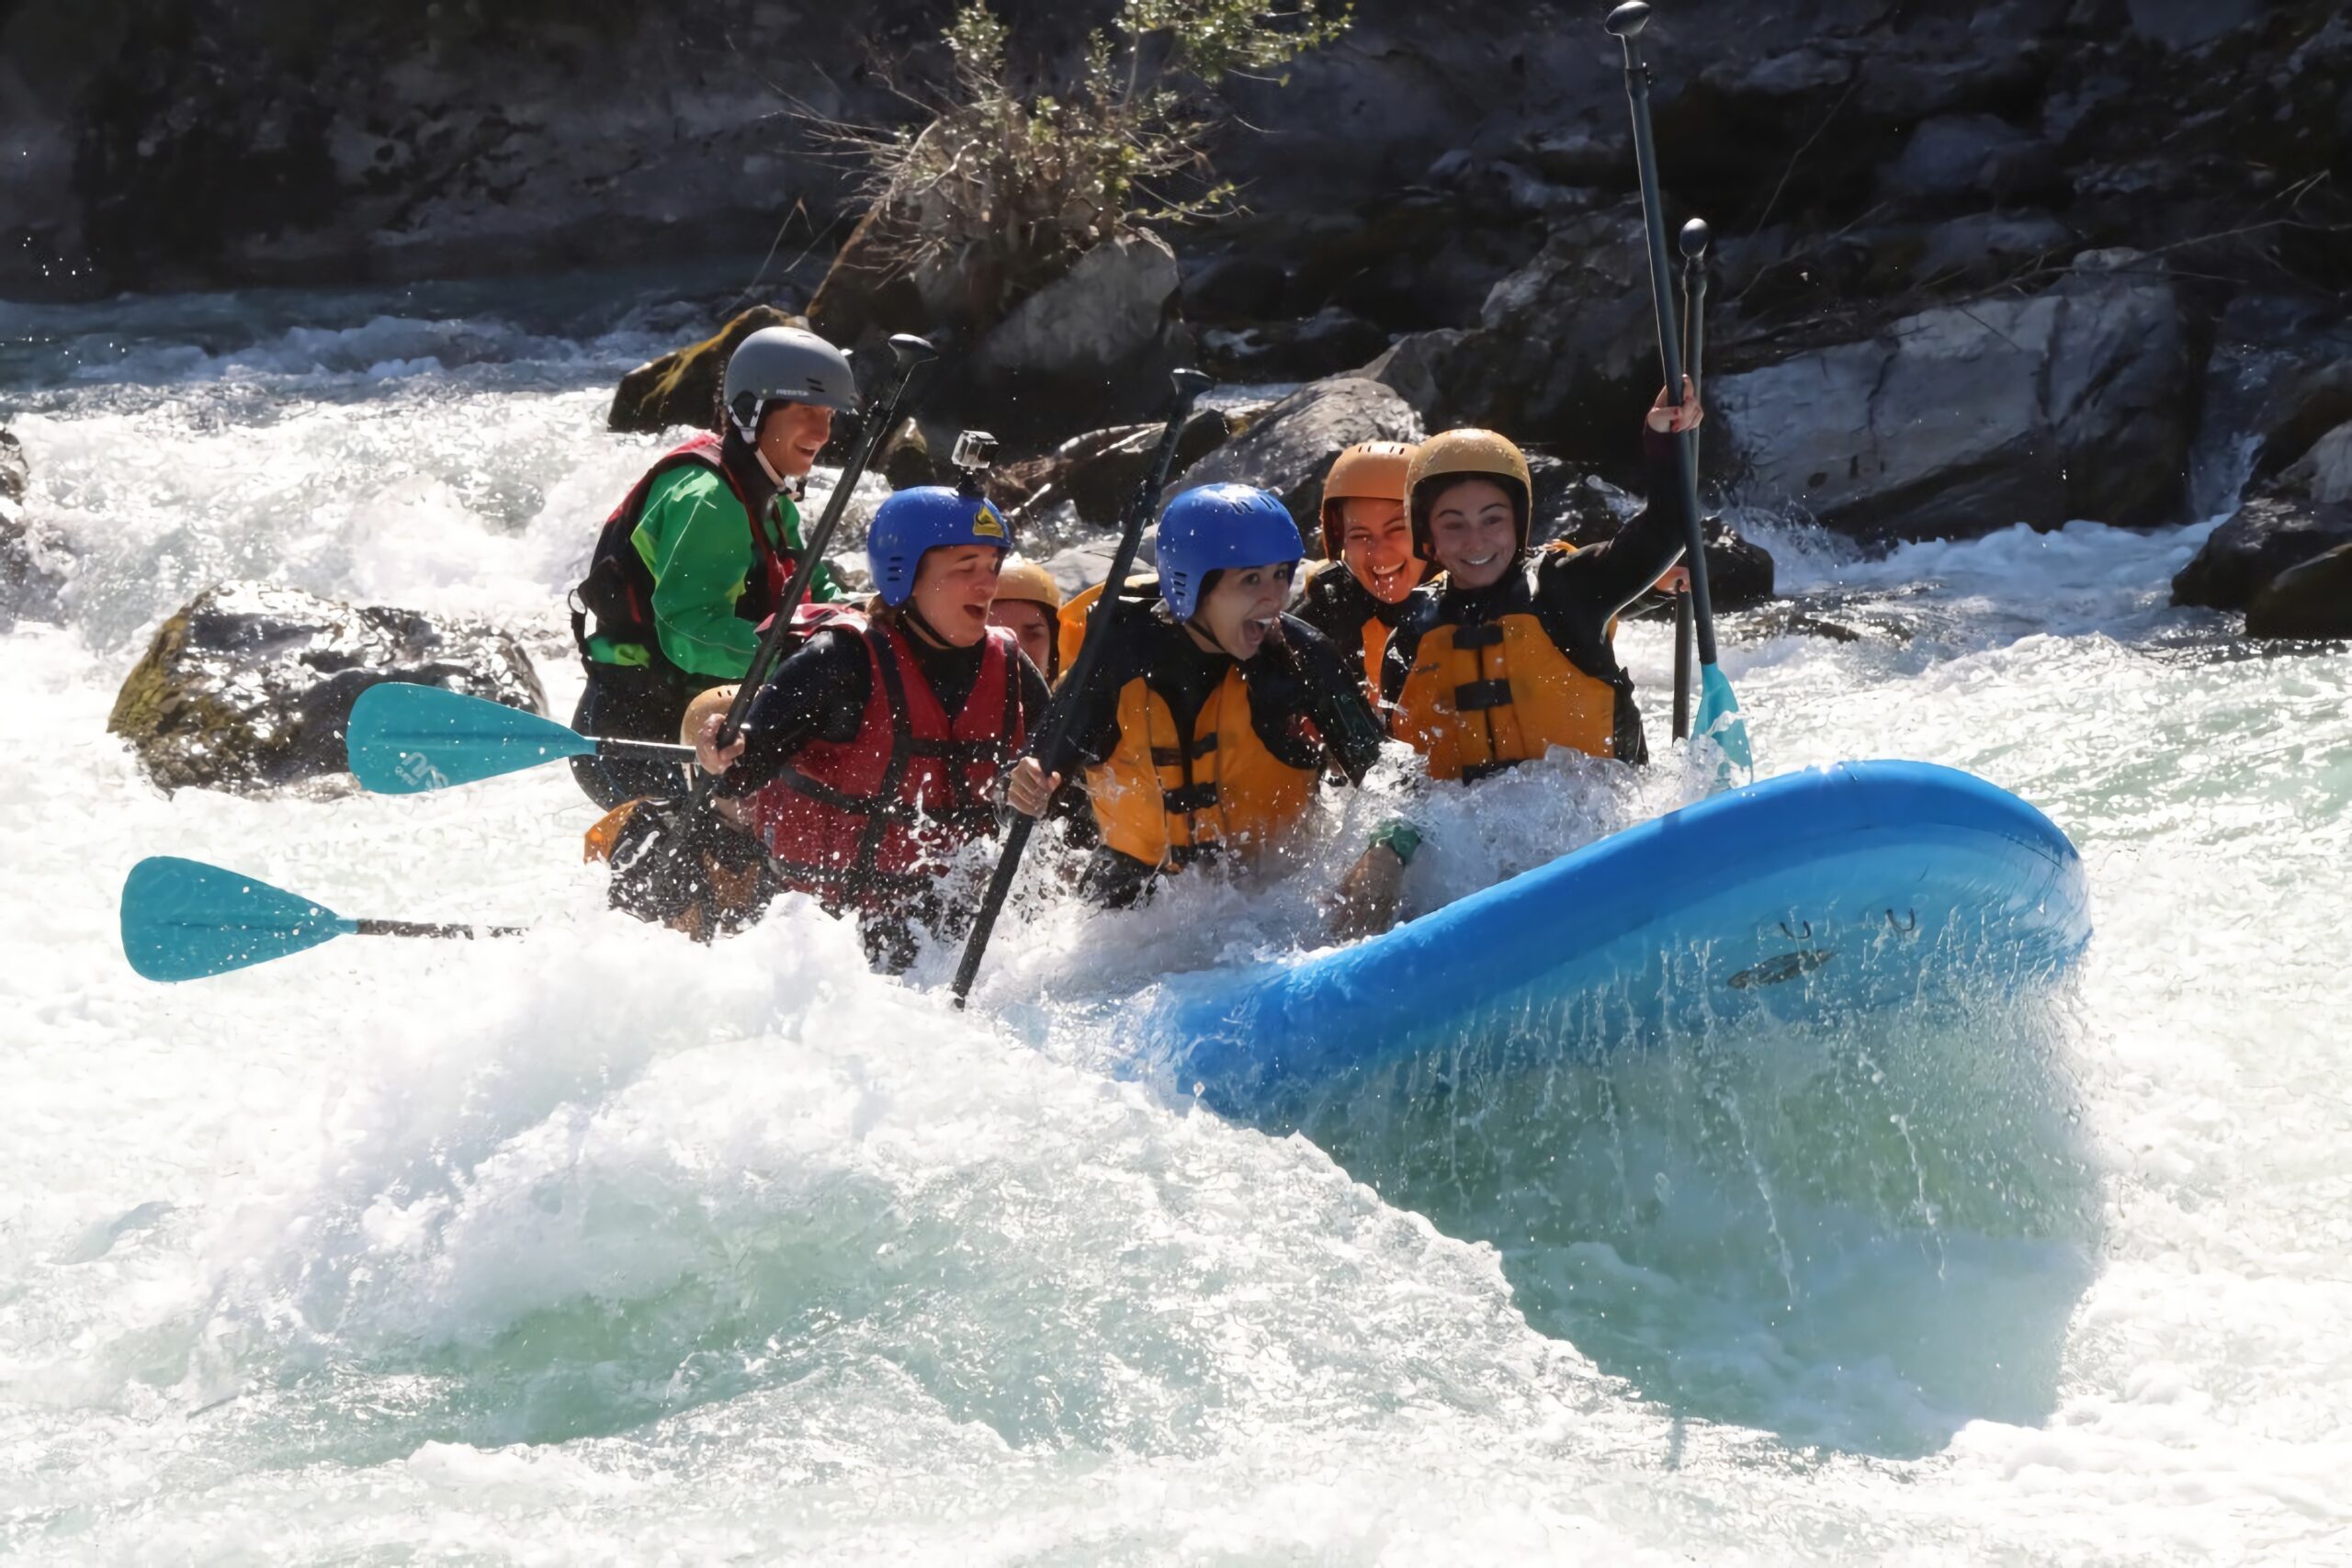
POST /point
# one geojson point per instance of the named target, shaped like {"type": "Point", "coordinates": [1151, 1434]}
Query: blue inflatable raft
{"type": "Point", "coordinates": [1835, 891]}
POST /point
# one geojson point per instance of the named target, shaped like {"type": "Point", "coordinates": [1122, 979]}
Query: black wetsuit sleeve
{"type": "Point", "coordinates": [1335, 700]}
{"type": "Point", "coordinates": [1607, 577]}
{"type": "Point", "coordinates": [818, 694]}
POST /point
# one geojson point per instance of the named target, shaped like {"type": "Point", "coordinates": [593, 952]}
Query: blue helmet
{"type": "Point", "coordinates": [1217, 527]}
{"type": "Point", "coordinates": [925, 518]}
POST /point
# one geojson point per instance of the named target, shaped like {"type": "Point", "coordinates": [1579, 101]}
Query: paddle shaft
{"type": "Point", "coordinates": [1627, 22]}
{"type": "Point", "coordinates": [910, 354]}
{"type": "Point", "coordinates": [1694, 321]}
{"type": "Point", "coordinates": [425, 929]}
{"type": "Point", "coordinates": [1053, 740]}
{"type": "Point", "coordinates": [641, 751]}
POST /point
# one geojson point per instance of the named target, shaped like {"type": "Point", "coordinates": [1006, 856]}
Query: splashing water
{"type": "Point", "coordinates": [598, 1245]}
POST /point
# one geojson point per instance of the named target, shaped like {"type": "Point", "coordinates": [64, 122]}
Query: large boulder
{"type": "Point", "coordinates": [2303, 512]}
{"type": "Point", "coordinates": [251, 684]}
{"type": "Point", "coordinates": [1959, 421]}
{"type": "Point", "coordinates": [682, 387]}
{"type": "Point", "coordinates": [1097, 474]}
{"type": "Point", "coordinates": [1097, 343]}
{"type": "Point", "coordinates": [1289, 447]}
{"type": "Point", "coordinates": [35, 559]}
{"type": "Point", "coordinates": [1325, 344]}
{"type": "Point", "coordinates": [2313, 599]}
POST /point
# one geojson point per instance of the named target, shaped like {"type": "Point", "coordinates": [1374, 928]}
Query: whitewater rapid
{"type": "Point", "coordinates": [596, 1245]}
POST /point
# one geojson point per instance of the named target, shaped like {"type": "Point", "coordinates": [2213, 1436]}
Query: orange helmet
{"type": "Point", "coordinates": [1368, 470]}
{"type": "Point", "coordinates": [1027, 580]}
{"type": "Point", "coordinates": [1459, 455]}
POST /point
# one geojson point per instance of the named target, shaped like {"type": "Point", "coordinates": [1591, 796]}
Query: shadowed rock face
{"type": "Point", "coordinates": [1963, 420]}
{"type": "Point", "coordinates": [1289, 448]}
{"type": "Point", "coordinates": [2303, 512]}
{"type": "Point", "coordinates": [250, 686]}
{"type": "Point", "coordinates": [2308, 601]}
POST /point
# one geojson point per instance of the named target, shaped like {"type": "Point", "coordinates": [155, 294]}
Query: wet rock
{"type": "Point", "coordinates": [2278, 378]}
{"type": "Point", "coordinates": [1418, 367]}
{"type": "Point", "coordinates": [1955, 421]}
{"type": "Point", "coordinates": [1098, 342]}
{"type": "Point", "coordinates": [2269, 535]}
{"type": "Point", "coordinates": [1097, 474]}
{"type": "Point", "coordinates": [2324, 474]}
{"type": "Point", "coordinates": [682, 387]}
{"type": "Point", "coordinates": [251, 684]}
{"type": "Point", "coordinates": [1331, 341]}
{"type": "Point", "coordinates": [16, 475]}
{"type": "Point", "coordinates": [1289, 447]}
{"type": "Point", "coordinates": [36, 563]}
{"type": "Point", "coordinates": [1588, 510]}
{"type": "Point", "coordinates": [2312, 599]}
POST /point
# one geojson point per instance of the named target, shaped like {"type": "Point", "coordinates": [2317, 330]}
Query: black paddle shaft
{"type": "Point", "coordinates": [1052, 745]}
{"type": "Point", "coordinates": [1694, 238]}
{"type": "Point", "coordinates": [910, 354]}
{"type": "Point", "coordinates": [1625, 23]}
{"type": "Point", "coordinates": [423, 927]}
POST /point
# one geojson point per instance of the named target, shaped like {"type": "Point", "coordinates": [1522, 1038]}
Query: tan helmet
{"type": "Point", "coordinates": [1025, 580]}
{"type": "Point", "coordinates": [1368, 470]}
{"type": "Point", "coordinates": [1459, 454]}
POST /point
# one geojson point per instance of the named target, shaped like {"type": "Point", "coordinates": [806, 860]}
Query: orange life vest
{"type": "Point", "coordinates": [1482, 697]}
{"type": "Point", "coordinates": [867, 822]}
{"type": "Point", "coordinates": [1161, 796]}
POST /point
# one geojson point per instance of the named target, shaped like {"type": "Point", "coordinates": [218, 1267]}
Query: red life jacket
{"type": "Point", "coordinates": [868, 823]}
{"type": "Point", "coordinates": [619, 589]}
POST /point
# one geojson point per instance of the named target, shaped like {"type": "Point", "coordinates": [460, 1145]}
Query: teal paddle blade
{"type": "Point", "coordinates": [1718, 719]}
{"type": "Point", "coordinates": [405, 739]}
{"type": "Point", "coordinates": [183, 919]}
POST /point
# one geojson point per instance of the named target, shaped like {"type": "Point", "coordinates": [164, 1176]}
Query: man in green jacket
{"type": "Point", "coordinates": [698, 554]}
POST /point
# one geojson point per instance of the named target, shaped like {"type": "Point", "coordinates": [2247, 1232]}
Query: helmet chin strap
{"type": "Point", "coordinates": [922, 625]}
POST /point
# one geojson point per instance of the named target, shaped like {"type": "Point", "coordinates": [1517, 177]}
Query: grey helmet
{"type": "Point", "coordinates": [786, 364]}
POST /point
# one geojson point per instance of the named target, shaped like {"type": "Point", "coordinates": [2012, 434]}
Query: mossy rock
{"type": "Point", "coordinates": [682, 387]}
{"type": "Point", "coordinates": [250, 686]}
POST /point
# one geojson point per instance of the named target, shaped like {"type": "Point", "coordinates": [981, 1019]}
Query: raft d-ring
{"type": "Point", "coordinates": [1805, 934]}
{"type": "Point", "coordinates": [1898, 927]}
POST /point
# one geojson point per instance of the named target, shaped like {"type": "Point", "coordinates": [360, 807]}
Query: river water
{"type": "Point", "coordinates": [594, 1245]}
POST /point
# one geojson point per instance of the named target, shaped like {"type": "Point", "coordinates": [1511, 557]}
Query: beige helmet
{"type": "Point", "coordinates": [1368, 470]}
{"type": "Point", "coordinates": [1028, 581]}
{"type": "Point", "coordinates": [1461, 454]}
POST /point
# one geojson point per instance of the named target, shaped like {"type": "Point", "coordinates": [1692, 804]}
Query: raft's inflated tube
{"type": "Point", "coordinates": [1833, 891]}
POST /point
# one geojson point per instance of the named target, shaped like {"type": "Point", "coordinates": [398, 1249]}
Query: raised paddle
{"type": "Point", "coordinates": [183, 919]}
{"type": "Point", "coordinates": [1694, 238]}
{"type": "Point", "coordinates": [1053, 740]}
{"type": "Point", "coordinates": [405, 739]}
{"type": "Point", "coordinates": [1718, 716]}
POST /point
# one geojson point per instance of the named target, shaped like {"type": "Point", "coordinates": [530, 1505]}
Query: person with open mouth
{"type": "Point", "coordinates": [1508, 654]}
{"type": "Point", "coordinates": [1360, 592]}
{"type": "Point", "coordinates": [698, 554]}
{"type": "Point", "coordinates": [1214, 714]}
{"type": "Point", "coordinates": [879, 746]}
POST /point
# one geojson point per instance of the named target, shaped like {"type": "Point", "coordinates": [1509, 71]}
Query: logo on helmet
{"type": "Point", "coordinates": [985, 525]}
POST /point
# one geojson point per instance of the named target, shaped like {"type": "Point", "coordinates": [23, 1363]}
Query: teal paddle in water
{"type": "Point", "coordinates": [1718, 717]}
{"type": "Point", "coordinates": [183, 919]}
{"type": "Point", "coordinates": [405, 739]}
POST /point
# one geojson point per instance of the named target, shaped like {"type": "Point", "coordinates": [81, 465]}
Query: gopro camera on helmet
{"type": "Point", "coordinates": [973, 452]}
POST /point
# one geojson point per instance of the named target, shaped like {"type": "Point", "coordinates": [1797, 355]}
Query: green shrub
{"type": "Point", "coordinates": [1001, 191]}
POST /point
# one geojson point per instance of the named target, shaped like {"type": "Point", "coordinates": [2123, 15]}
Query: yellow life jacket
{"type": "Point", "coordinates": [1159, 799]}
{"type": "Point", "coordinates": [1481, 697]}
{"type": "Point", "coordinates": [1070, 621]}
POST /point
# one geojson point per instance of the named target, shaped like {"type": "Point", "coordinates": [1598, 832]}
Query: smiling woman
{"type": "Point", "coordinates": [874, 753]}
